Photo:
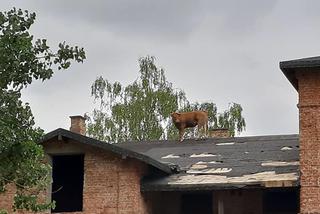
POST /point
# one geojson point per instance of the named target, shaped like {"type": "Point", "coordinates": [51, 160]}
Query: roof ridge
{"type": "Point", "coordinates": [213, 140]}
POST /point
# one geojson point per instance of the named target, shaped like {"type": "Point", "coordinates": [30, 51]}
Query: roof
{"type": "Point", "coordinates": [212, 163]}
{"type": "Point", "coordinates": [123, 152]}
{"type": "Point", "coordinates": [216, 163]}
{"type": "Point", "coordinates": [289, 67]}
{"type": "Point", "coordinates": [301, 63]}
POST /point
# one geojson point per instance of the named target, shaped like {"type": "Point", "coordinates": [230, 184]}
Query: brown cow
{"type": "Point", "coordinates": [189, 120]}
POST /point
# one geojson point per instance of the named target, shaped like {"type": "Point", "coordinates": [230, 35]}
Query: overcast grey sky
{"type": "Point", "coordinates": [220, 51]}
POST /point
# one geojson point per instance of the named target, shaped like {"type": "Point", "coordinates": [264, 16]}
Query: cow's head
{"type": "Point", "coordinates": [175, 117]}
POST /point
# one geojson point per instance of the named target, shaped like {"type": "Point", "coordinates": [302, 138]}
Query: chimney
{"type": "Point", "coordinates": [219, 133]}
{"type": "Point", "coordinates": [78, 124]}
{"type": "Point", "coordinates": [304, 75]}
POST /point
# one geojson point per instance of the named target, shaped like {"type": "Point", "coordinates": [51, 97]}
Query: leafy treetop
{"type": "Point", "coordinates": [141, 110]}
{"type": "Point", "coordinates": [22, 60]}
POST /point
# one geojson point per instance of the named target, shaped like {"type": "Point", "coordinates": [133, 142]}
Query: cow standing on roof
{"type": "Point", "coordinates": [190, 120]}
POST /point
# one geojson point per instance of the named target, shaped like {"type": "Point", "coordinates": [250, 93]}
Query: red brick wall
{"type": "Point", "coordinates": [219, 133]}
{"type": "Point", "coordinates": [309, 114]}
{"type": "Point", "coordinates": [7, 198]}
{"type": "Point", "coordinates": [78, 124]}
{"type": "Point", "coordinates": [111, 184]}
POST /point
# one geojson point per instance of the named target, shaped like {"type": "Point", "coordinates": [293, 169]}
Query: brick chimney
{"type": "Point", "coordinates": [78, 124]}
{"type": "Point", "coordinates": [219, 133]}
{"type": "Point", "coordinates": [304, 75]}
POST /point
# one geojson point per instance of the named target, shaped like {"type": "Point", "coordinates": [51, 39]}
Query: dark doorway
{"type": "Point", "coordinates": [281, 201]}
{"type": "Point", "coordinates": [200, 203]}
{"type": "Point", "coordinates": [67, 186]}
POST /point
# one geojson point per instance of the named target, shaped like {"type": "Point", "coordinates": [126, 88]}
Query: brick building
{"type": "Point", "coordinates": [304, 75]}
{"type": "Point", "coordinates": [219, 175]}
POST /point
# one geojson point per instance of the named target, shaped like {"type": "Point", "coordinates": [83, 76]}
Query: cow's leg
{"type": "Point", "coordinates": [206, 129]}
{"type": "Point", "coordinates": [181, 132]}
{"type": "Point", "coordinates": [202, 130]}
{"type": "Point", "coordinates": [198, 134]}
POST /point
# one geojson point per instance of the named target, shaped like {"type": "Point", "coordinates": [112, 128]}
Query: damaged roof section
{"type": "Point", "coordinates": [212, 163]}
{"type": "Point", "coordinates": [265, 161]}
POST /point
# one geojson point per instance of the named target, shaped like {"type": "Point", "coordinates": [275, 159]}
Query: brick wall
{"type": "Point", "coordinates": [220, 133]}
{"type": "Point", "coordinates": [111, 184]}
{"type": "Point", "coordinates": [78, 124]}
{"type": "Point", "coordinates": [309, 114]}
{"type": "Point", "coordinates": [7, 198]}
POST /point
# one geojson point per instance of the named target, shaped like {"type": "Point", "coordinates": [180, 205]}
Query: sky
{"type": "Point", "coordinates": [217, 51]}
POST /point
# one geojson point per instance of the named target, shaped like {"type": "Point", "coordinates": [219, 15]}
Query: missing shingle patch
{"type": "Point", "coordinates": [198, 166]}
{"type": "Point", "coordinates": [215, 162]}
{"type": "Point", "coordinates": [218, 170]}
{"type": "Point", "coordinates": [201, 162]}
{"type": "Point", "coordinates": [205, 162]}
{"type": "Point", "coordinates": [202, 155]}
{"type": "Point", "coordinates": [286, 148]}
{"type": "Point", "coordinates": [280, 163]}
{"type": "Point", "coordinates": [209, 171]}
{"type": "Point", "coordinates": [261, 177]}
{"type": "Point", "coordinates": [170, 156]}
{"type": "Point", "coordinates": [225, 144]}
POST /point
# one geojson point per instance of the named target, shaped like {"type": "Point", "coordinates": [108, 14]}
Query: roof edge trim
{"type": "Point", "coordinates": [167, 168]}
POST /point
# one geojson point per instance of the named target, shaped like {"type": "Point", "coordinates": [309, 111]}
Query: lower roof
{"type": "Point", "coordinates": [265, 161]}
{"type": "Point", "coordinates": [212, 163]}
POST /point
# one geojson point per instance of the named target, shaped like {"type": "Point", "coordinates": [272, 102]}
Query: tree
{"type": "Point", "coordinates": [141, 110]}
{"type": "Point", "coordinates": [23, 60]}
{"type": "Point", "coordinates": [230, 119]}
{"type": "Point", "coordinates": [136, 112]}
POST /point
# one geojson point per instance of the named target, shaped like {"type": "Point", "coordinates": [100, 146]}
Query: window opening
{"type": "Point", "coordinates": [197, 203]}
{"type": "Point", "coordinates": [67, 186]}
{"type": "Point", "coordinates": [281, 201]}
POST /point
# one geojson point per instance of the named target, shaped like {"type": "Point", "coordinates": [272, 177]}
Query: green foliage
{"type": "Point", "coordinates": [135, 112]}
{"type": "Point", "coordinates": [3, 212]}
{"type": "Point", "coordinates": [141, 110]}
{"type": "Point", "coordinates": [22, 60]}
{"type": "Point", "coordinates": [230, 119]}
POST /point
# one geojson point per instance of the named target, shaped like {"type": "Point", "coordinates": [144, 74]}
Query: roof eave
{"type": "Point", "coordinates": [167, 168]}
{"type": "Point", "coordinates": [146, 187]}
{"type": "Point", "coordinates": [290, 67]}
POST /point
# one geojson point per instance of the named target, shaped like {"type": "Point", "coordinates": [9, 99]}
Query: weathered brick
{"type": "Point", "coordinates": [309, 119]}
{"type": "Point", "coordinates": [111, 184]}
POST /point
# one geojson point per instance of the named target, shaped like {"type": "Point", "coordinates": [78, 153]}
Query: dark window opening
{"type": "Point", "coordinates": [67, 186]}
{"type": "Point", "coordinates": [281, 201]}
{"type": "Point", "coordinates": [200, 203]}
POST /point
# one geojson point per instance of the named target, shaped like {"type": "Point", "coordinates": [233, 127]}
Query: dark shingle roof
{"type": "Point", "coordinates": [165, 167]}
{"type": "Point", "coordinates": [301, 63]}
{"type": "Point", "coordinates": [289, 67]}
{"type": "Point", "coordinates": [211, 163]}
{"type": "Point", "coordinates": [227, 162]}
